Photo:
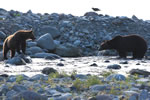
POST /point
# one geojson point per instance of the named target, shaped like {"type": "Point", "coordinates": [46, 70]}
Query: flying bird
{"type": "Point", "coordinates": [96, 9]}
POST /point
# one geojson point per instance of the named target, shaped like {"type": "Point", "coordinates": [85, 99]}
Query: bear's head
{"type": "Point", "coordinates": [105, 45]}
{"type": "Point", "coordinates": [110, 44]}
{"type": "Point", "coordinates": [31, 35]}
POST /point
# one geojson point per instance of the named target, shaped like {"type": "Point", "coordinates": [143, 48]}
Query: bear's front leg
{"type": "Point", "coordinates": [122, 54]}
{"type": "Point", "coordinates": [18, 49]}
{"type": "Point", "coordinates": [23, 47]}
{"type": "Point", "coordinates": [12, 53]}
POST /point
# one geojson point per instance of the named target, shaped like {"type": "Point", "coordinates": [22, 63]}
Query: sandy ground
{"type": "Point", "coordinates": [82, 65]}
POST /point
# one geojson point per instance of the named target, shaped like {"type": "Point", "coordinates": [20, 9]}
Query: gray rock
{"type": "Point", "coordinates": [48, 70]}
{"type": "Point", "coordinates": [19, 88]}
{"type": "Point", "coordinates": [143, 95]}
{"type": "Point", "coordinates": [11, 78]}
{"type": "Point", "coordinates": [68, 51]}
{"type": "Point", "coordinates": [16, 61]}
{"type": "Point", "coordinates": [104, 97]}
{"type": "Point", "coordinates": [91, 14]}
{"type": "Point", "coordinates": [2, 35]}
{"type": "Point", "coordinates": [3, 89]}
{"type": "Point", "coordinates": [62, 89]}
{"type": "Point", "coordinates": [46, 42]}
{"type": "Point", "coordinates": [81, 76]}
{"type": "Point", "coordinates": [133, 97]}
{"type": "Point", "coordinates": [97, 88]}
{"type": "Point", "coordinates": [27, 95]}
{"type": "Point", "coordinates": [44, 55]}
{"type": "Point", "coordinates": [117, 77]}
{"type": "Point", "coordinates": [35, 50]}
{"type": "Point", "coordinates": [52, 57]}
{"type": "Point", "coordinates": [31, 44]}
{"type": "Point", "coordinates": [38, 77]}
{"type": "Point", "coordinates": [11, 93]}
{"type": "Point", "coordinates": [52, 30]}
{"type": "Point", "coordinates": [140, 72]}
{"type": "Point", "coordinates": [66, 96]}
{"type": "Point", "coordinates": [114, 66]}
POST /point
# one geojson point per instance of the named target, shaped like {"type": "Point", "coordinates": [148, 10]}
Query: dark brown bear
{"type": "Point", "coordinates": [123, 44]}
{"type": "Point", "coordinates": [17, 41]}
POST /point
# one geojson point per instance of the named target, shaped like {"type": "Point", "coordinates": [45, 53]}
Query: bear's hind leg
{"type": "Point", "coordinates": [5, 53]}
{"type": "Point", "coordinates": [12, 53]}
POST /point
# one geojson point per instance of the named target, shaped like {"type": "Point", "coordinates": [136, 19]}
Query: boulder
{"type": "Point", "coordinates": [35, 50]}
{"type": "Point", "coordinates": [139, 72]}
{"type": "Point", "coordinates": [27, 95]}
{"type": "Point", "coordinates": [46, 42]}
{"type": "Point", "coordinates": [44, 55]}
{"type": "Point", "coordinates": [49, 29]}
{"type": "Point", "coordinates": [68, 51]}
{"type": "Point", "coordinates": [117, 77]}
{"type": "Point", "coordinates": [48, 70]}
{"type": "Point", "coordinates": [2, 35]}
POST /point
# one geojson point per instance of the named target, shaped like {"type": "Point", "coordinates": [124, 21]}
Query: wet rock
{"type": "Point", "coordinates": [27, 95]}
{"type": "Point", "coordinates": [48, 70]}
{"type": "Point", "coordinates": [124, 62]}
{"type": "Point", "coordinates": [60, 64]}
{"type": "Point", "coordinates": [139, 72]}
{"type": "Point", "coordinates": [114, 66]}
{"type": "Point", "coordinates": [46, 42]}
{"type": "Point", "coordinates": [81, 76]}
{"type": "Point", "coordinates": [67, 51]}
{"type": "Point", "coordinates": [94, 64]}
{"type": "Point", "coordinates": [16, 61]}
{"type": "Point", "coordinates": [117, 77]}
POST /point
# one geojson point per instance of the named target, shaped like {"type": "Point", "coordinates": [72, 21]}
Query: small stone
{"type": "Point", "coordinates": [60, 64]}
{"type": "Point", "coordinates": [114, 66]}
{"type": "Point", "coordinates": [123, 62]}
{"type": "Point", "coordinates": [94, 64]}
{"type": "Point", "coordinates": [48, 70]}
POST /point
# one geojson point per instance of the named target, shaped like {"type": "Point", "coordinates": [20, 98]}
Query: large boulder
{"type": "Point", "coordinates": [35, 50]}
{"type": "Point", "coordinates": [44, 55]}
{"type": "Point", "coordinates": [52, 30]}
{"type": "Point", "coordinates": [68, 51]}
{"type": "Point", "coordinates": [46, 42]}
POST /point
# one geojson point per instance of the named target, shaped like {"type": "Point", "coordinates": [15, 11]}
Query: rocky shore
{"type": "Point", "coordinates": [62, 63]}
{"type": "Point", "coordinates": [78, 35]}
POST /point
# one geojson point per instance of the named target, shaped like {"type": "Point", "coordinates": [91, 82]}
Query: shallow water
{"type": "Point", "coordinates": [81, 64]}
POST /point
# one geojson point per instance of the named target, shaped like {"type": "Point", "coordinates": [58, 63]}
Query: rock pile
{"type": "Point", "coordinates": [82, 32]}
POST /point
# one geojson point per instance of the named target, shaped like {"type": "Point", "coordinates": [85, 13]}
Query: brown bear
{"type": "Point", "coordinates": [17, 41]}
{"type": "Point", "coordinates": [129, 43]}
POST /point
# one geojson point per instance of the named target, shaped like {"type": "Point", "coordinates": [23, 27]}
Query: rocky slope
{"type": "Point", "coordinates": [84, 32]}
